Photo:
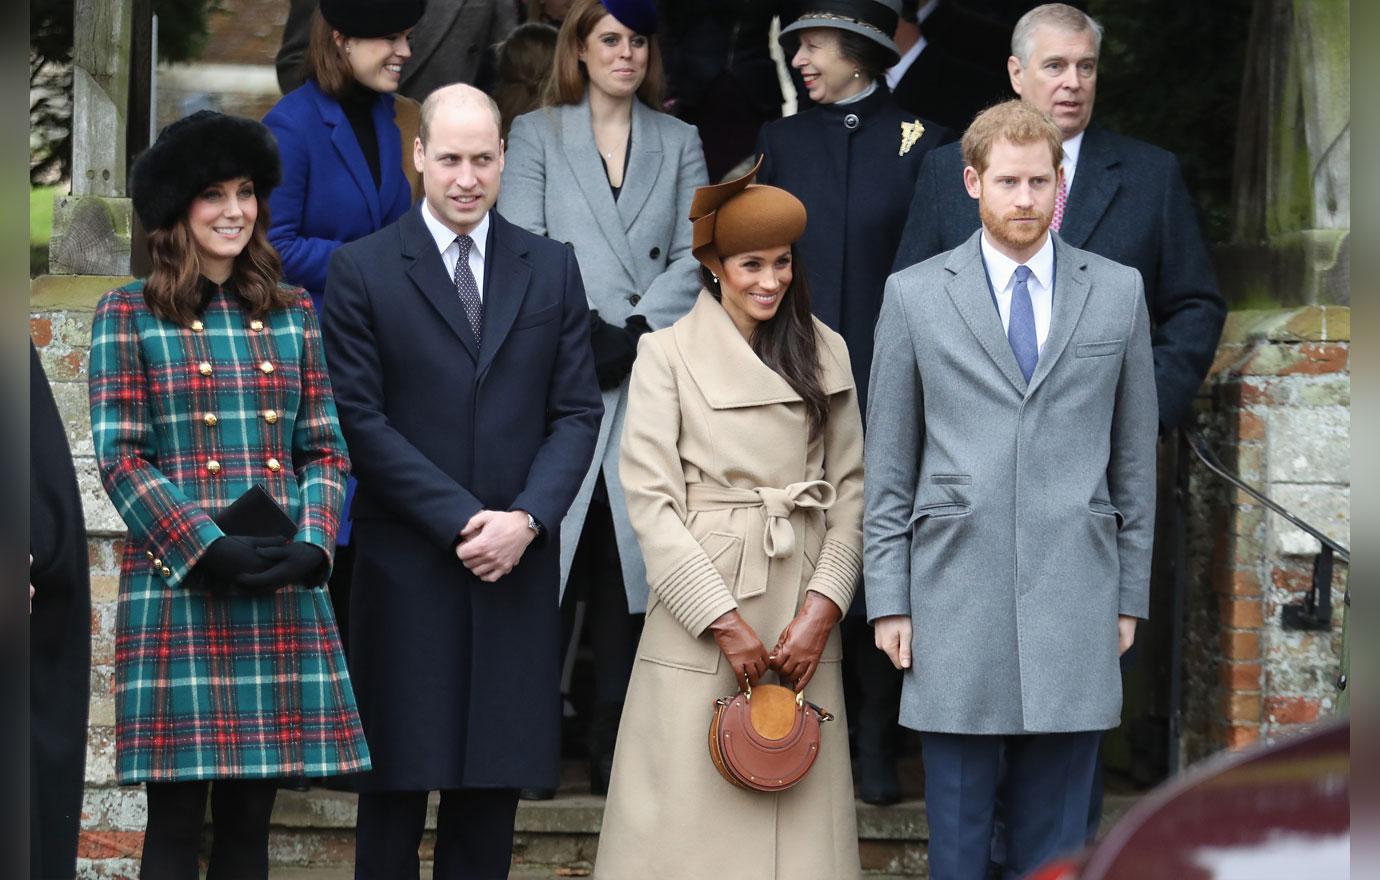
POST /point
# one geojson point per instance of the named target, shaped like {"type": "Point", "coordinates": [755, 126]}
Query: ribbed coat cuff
{"type": "Point", "coordinates": [836, 573]}
{"type": "Point", "coordinates": [695, 594]}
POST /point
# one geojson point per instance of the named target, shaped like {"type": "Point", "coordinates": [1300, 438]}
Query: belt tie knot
{"type": "Point", "coordinates": [778, 538]}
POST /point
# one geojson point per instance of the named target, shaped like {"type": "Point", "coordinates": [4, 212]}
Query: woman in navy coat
{"type": "Point", "coordinates": [341, 148]}
{"type": "Point", "coordinates": [852, 159]}
{"type": "Point", "coordinates": [342, 162]}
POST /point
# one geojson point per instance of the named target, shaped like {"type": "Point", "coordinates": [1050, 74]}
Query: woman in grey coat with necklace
{"type": "Point", "coordinates": [601, 169]}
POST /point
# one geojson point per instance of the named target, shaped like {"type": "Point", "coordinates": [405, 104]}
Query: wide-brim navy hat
{"type": "Point", "coordinates": [194, 152]}
{"type": "Point", "coordinates": [874, 19]}
{"type": "Point", "coordinates": [638, 16]}
{"type": "Point", "coordinates": [372, 18]}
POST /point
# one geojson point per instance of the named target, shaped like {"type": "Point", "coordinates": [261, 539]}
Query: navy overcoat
{"type": "Point", "coordinates": [328, 196]}
{"type": "Point", "coordinates": [458, 680]}
{"type": "Point", "coordinates": [849, 165]}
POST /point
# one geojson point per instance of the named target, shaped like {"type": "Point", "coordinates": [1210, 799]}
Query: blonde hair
{"type": "Point", "coordinates": [1013, 121]}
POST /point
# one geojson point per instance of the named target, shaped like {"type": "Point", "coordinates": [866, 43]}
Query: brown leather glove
{"type": "Point", "coordinates": [796, 655]}
{"type": "Point", "coordinates": [740, 646]}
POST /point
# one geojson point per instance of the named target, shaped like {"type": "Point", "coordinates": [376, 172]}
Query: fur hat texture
{"type": "Point", "coordinates": [197, 150]}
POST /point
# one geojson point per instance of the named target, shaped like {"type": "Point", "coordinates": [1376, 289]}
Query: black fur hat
{"type": "Point", "coordinates": [197, 150]}
{"type": "Point", "coordinates": [372, 18]}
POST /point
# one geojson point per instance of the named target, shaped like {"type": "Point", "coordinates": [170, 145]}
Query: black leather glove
{"type": "Point", "coordinates": [614, 349]}
{"type": "Point", "coordinates": [228, 558]}
{"type": "Point", "coordinates": [293, 563]}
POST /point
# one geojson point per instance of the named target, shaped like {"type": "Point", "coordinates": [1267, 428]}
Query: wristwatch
{"type": "Point", "coordinates": [533, 524]}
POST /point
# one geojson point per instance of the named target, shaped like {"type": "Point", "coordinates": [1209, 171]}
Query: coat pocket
{"type": "Point", "coordinates": [535, 318]}
{"type": "Point", "coordinates": [1106, 508]}
{"type": "Point", "coordinates": [938, 510]}
{"type": "Point", "coordinates": [1099, 349]}
{"type": "Point", "coordinates": [725, 552]}
{"type": "Point", "coordinates": [951, 479]}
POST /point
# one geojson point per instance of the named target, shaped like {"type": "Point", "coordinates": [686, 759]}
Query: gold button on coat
{"type": "Point", "coordinates": [205, 368]}
{"type": "Point", "coordinates": [197, 326]}
{"type": "Point", "coordinates": [167, 572]}
{"type": "Point", "coordinates": [213, 467]}
{"type": "Point", "coordinates": [274, 465]}
{"type": "Point", "coordinates": [210, 420]}
{"type": "Point", "coordinates": [271, 416]}
{"type": "Point", "coordinates": [266, 367]}
{"type": "Point", "coordinates": [256, 325]}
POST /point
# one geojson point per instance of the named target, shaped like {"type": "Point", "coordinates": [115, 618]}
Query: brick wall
{"type": "Point", "coordinates": [1279, 417]}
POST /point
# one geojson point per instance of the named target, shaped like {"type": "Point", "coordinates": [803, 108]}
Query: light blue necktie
{"type": "Point", "coordinates": [1020, 328]}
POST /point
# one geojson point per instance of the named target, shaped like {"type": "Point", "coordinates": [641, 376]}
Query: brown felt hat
{"type": "Point", "coordinates": [739, 215]}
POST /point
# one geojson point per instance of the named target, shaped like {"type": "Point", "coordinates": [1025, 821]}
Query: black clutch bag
{"type": "Point", "coordinates": [256, 515]}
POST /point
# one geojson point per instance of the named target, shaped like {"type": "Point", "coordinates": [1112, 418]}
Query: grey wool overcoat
{"type": "Point", "coordinates": [634, 256]}
{"type": "Point", "coordinates": [1012, 522]}
{"type": "Point", "coordinates": [736, 506]}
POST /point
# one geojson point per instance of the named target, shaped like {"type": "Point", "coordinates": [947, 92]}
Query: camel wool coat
{"type": "Point", "coordinates": [735, 506]}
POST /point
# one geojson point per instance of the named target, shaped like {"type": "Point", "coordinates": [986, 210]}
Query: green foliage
{"type": "Point", "coordinates": [1170, 74]}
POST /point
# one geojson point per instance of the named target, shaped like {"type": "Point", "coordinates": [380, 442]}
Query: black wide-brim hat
{"type": "Point", "coordinates": [372, 18]}
{"type": "Point", "coordinates": [194, 152]}
{"type": "Point", "coordinates": [874, 19]}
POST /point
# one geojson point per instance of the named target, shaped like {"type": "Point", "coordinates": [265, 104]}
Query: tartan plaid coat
{"type": "Point", "coordinates": [185, 419]}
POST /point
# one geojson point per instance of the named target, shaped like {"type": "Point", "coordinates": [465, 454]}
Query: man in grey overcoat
{"type": "Point", "coordinates": [1010, 496]}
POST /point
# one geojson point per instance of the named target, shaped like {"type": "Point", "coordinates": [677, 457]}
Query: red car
{"type": "Point", "coordinates": [1281, 810]}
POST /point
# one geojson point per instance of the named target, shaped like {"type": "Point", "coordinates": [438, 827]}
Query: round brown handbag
{"type": "Point", "coordinates": [765, 739]}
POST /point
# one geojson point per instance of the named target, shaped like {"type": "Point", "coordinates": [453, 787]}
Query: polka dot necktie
{"type": "Point", "coordinates": [1060, 199]}
{"type": "Point", "coordinates": [468, 290]}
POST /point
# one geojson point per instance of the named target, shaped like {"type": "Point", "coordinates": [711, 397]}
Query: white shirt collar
{"type": "Point", "coordinates": [1071, 148]}
{"type": "Point", "coordinates": [1001, 268]}
{"type": "Point", "coordinates": [445, 236]}
{"type": "Point", "coordinates": [898, 70]}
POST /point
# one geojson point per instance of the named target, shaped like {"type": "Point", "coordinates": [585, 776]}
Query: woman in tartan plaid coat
{"type": "Point", "coordinates": [206, 380]}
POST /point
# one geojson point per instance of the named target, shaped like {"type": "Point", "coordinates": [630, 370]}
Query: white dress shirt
{"type": "Point", "coordinates": [450, 251]}
{"type": "Point", "coordinates": [1070, 163]}
{"type": "Point", "coordinates": [898, 70]}
{"type": "Point", "coordinates": [1001, 271]}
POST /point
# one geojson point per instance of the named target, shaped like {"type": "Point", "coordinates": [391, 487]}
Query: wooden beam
{"type": "Point", "coordinates": [100, 95]}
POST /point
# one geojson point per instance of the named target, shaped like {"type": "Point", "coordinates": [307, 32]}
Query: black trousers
{"type": "Point", "coordinates": [240, 810]}
{"type": "Point", "coordinates": [474, 834]}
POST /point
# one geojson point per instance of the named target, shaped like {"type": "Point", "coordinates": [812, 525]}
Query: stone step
{"type": "Point", "coordinates": [314, 831]}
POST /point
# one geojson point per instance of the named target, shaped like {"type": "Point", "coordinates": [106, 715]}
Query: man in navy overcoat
{"type": "Point", "coordinates": [1126, 201]}
{"type": "Point", "coordinates": [459, 348]}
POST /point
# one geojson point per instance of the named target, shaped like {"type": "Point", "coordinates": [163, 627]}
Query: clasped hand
{"type": "Point", "coordinates": [492, 543]}
{"type": "Point", "coordinates": [796, 655]}
{"type": "Point", "coordinates": [262, 564]}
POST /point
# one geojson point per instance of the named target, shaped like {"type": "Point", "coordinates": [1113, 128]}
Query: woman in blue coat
{"type": "Point", "coordinates": [342, 160]}
{"type": "Point", "coordinates": [852, 159]}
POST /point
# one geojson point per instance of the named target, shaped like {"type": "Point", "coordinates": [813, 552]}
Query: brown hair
{"type": "Point", "coordinates": [1013, 121]}
{"type": "Point", "coordinates": [787, 342]}
{"type": "Point", "coordinates": [524, 64]}
{"type": "Point", "coordinates": [569, 79]}
{"type": "Point", "coordinates": [325, 63]}
{"type": "Point", "coordinates": [172, 290]}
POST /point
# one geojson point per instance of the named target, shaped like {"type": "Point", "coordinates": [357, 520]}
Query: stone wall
{"type": "Point", "coordinates": [1280, 417]}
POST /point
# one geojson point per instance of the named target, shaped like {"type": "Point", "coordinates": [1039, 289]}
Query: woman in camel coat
{"type": "Point", "coordinates": [742, 465]}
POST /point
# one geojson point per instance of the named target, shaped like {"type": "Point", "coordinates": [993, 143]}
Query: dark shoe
{"type": "Point", "coordinates": [878, 783]}
{"type": "Point", "coordinates": [536, 794]}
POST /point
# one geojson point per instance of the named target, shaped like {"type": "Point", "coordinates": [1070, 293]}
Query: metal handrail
{"type": "Point", "coordinates": [1198, 443]}
{"type": "Point", "coordinates": [1315, 612]}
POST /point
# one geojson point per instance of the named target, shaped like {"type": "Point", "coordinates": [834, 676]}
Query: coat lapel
{"type": "Point", "coordinates": [1097, 179]}
{"type": "Point", "coordinates": [644, 165]}
{"type": "Point", "coordinates": [971, 295]}
{"type": "Point", "coordinates": [577, 136]}
{"type": "Point", "coordinates": [729, 373]}
{"type": "Point", "coordinates": [428, 273]}
{"type": "Point", "coordinates": [347, 146]}
{"type": "Point", "coordinates": [1071, 289]}
{"type": "Point", "coordinates": [506, 275]}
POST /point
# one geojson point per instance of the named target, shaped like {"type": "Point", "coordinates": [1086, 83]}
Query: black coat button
{"type": "Point", "coordinates": [472, 49]}
{"type": "Point", "coordinates": [654, 253]}
{"type": "Point", "coordinates": [851, 121]}
{"type": "Point", "coordinates": [635, 299]}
